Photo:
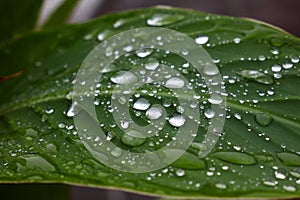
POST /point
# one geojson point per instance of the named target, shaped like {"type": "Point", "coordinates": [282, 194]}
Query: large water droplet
{"type": "Point", "coordinates": [142, 53]}
{"type": "Point", "coordinates": [276, 68]}
{"type": "Point", "coordinates": [116, 152]}
{"type": "Point", "coordinates": [256, 76]}
{"type": "Point", "coordinates": [164, 19]}
{"type": "Point", "coordinates": [209, 113]}
{"type": "Point", "coordinates": [155, 112]}
{"type": "Point", "coordinates": [215, 99]}
{"type": "Point", "coordinates": [236, 158]}
{"type": "Point", "coordinates": [263, 119]}
{"type": "Point", "coordinates": [133, 138]}
{"type": "Point", "coordinates": [152, 64]}
{"type": "Point", "coordinates": [289, 188]}
{"type": "Point", "coordinates": [174, 82]}
{"type": "Point", "coordinates": [289, 159]}
{"type": "Point", "coordinates": [141, 104]}
{"type": "Point", "coordinates": [177, 120]}
{"type": "Point", "coordinates": [124, 77]}
{"type": "Point", "coordinates": [201, 39]}
{"type": "Point", "coordinates": [74, 109]}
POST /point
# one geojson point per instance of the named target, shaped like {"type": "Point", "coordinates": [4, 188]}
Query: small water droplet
{"type": "Point", "coordinates": [50, 111]}
{"type": "Point", "coordinates": [256, 76]}
{"type": "Point", "coordinates": [270, 183]}
{"type": "Point", "coordinates": [295, 59]}
{"type": "Point", "coordinates": [141, 104]}
{"type": "Point", "coordinates": [74, 109]}
{"type": "Point", "coordinates": [133, 138]}
{"type": "Point", "coordinates": [289, 188]}
{"type": "Point", "coordinates": [279, 175]}
{"type": "Point", "coordinates": [116, 152]}
{"type": "Point", "coordinates": [152, 64]}
{"type": "Point", "coordinates": [164, 19]}
{"type": "Point", "coordinates": [180, 172]}
{"type": "Point", "coordinates": [237, 116]}
{"type": "Point", "coordinates": [209, 113]}
{"type": "Point", "coordinates": [218, 132]}
{"type": "Point", "coordinates": [202, 39]}
{"type": "Point", "coordinates": [263, 119]}
{"type": "Point", "coordinates": [177, 120]}
{"type": "Point", "coordinates": [221, 185]}
{"type": "Point", "coordinates": [154, 112]}
{"type": "Point", "coordinates": [174, 82]}
{"type": "Point", "coordinates": [237, 40]}
{"type": "Point", "coordinates": [276, 68]}
{"type": "Point", "coordinates": [124, 77]}
{"type": "Point", "coordinates": [287, 65]}
{"type": "Point", "coordinates": [215, 99]}
{"type": "Point", "coordinates": [103, 35]}
{"type": "Point", "coordinates": [124, 124]}
{"type": "Point", "coordinates": [142, 53]}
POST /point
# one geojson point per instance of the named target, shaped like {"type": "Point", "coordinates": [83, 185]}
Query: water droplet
{"type": "Point", "coordinates": [202, 39]}
{"type": "Point", "coordinates": [221, 185]}
{"type": "Point", "coordinates": [124, 124]}
{"type": "Point", "coordinates": [289, 188]}
{"type": "Point", "coordinates": [164, 19]}
{"type": "Point", "coordinates": [154, 112]}
{"type": "Point", "coordinates": [177, 120]}
{"type": "Point", "coordinates": [124, 77]}
{"type": "Point", "coordinates": [276, 68]}
{"type": "Point", "coordinates": [174, 82]}
{"type": "Point", "coordinates": [236, 158]}
{"type": "Point", "coordinates": [142, 53]}
{"type": "Point", "coordinates": [218, 132]}
{"type": "Point", "coordinates": [280, 175]}
{"type": "Point", "coordinates": [256, 76]}
{"type": "Point", "coordinates": [102, 36]}
{"type": "Point", "coordinates": [287, 65]}
{"type": "Point", "coordinates": [152, 64]}
{"type": "Point", "coordinates": [295, 59]}
{"type": "Point", "coordinates": [209, 113]}
{"type": "Point", "coordinates": [210, 70]}
{"type": "Point", "coordinates": [133, 138]}
{"type": "Point", "coordinates": [237, 116]}
{"type": "Point", "coordinates": [141, 104]}
{"type": "Point", "coordinates": [74, 109]}
{"type": "Point", "coordinates": [50, 111]}
{"type": "Point", "coordinates": [180, 172]}
{"type": "Point", "coordinates": [263, 119]}
{"type": "Point", "coordinates": [116, 152]}
{"type": "Point", "coordinates": [289, 159]}
{"type": "Point", "coordinates": [237, 40]}
{"type": "Point", "coordinates": [270, 183]}
{"type": "Point", "coordinates": [215, 99]}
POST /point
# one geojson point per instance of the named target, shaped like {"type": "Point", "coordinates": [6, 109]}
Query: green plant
{"type": "Point", "coordinates": [257, 157]}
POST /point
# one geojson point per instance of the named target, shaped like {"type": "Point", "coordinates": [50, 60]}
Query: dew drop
{"type": "Point", "coordinates": [218, 132]}
{"type": "Point", "coordinates": [177, 120]}
{"type": "Point", "coordinates": [124, 77]}
{"type": "Point", "coordinates": [276, 68]}
{"type": "Point", "coordinates": [287, 65]}
{"type": "Point", "coordinates": [174, 82]}
{"type": "Point", "coordinates": [141, 104]}
{"type": "Point", "coordinates": [180, 172]}
{"type": "Point", "coordinates": [209, 113]}
{"type": "Point", "coordinates": [221, 186]}
{"type": "Point", "coordinates": [154, 112]}
{"type": "Point", "coordinates": [215, 99]}
{"type": "Point", "coordinates": [164, 19]}
{"type": "Point", "coordinates": [263, 119]}
{"type": "Point", "coordinates": [102, 36]}
{"type": "Point", "coordinates": [152, 64]}
{"type": "Point", "coordinates": [237, 40]}
{"type": "Point", "coordinates": [256, 76]}
{"type": "Point", "coordinates": [295, 59]}
{"type": "Point", "coordinates": [289, 159]}
{"type": "Point", "coordinates": [50, 111]}
{"type": "Point", "coordinates": [270, 183]}
{"type": "Point", "coordinates": [280, 175]}
{"type": "Point", "coordinates": [133, 138]}
{"type": "Point", "coordinates": [289, 188]}
{"type": "Point", "coordinates": [202, 39]}
{"type": "Point", "coordinates": [74, 109]}
{"type": "Point", "coordinates": [116, 152]}
{"type": "Point", "coordinates": [143, 53]}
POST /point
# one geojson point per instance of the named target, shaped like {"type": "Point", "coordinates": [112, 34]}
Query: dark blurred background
{"type": "Point", "coordinates": [284, 14]}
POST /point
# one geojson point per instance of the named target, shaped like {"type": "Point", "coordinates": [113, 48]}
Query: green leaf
{"type": "Point", "coordinates": [61, 14]}
{"type": "Point", "coordinates": [258, 156]}
{"type": "Point", "coordinates": [17, 17]}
